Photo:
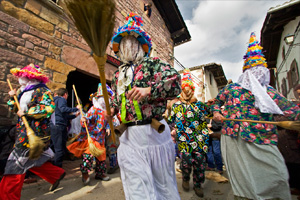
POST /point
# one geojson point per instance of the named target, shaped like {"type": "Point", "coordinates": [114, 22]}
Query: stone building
{"type": "Point", "coordinates": [39, 32]}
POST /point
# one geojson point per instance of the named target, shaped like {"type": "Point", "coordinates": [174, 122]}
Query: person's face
{"type": "Point", "coordinates": [298, 92]}
{"type": "Point", "coordinates": [23, 81]}
{"type": "Point", "coordinates": [66, 96]}
{"type": "Point", "coordinates": [187, 90]}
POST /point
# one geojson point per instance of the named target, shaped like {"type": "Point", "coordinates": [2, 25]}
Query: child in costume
{"type": "Point", "coordinates": [188, 117]}
{"type": "Point", "coordinates": [37, 105]}
{"type": "Point", "coordinates": [261, 172]}
{"type": "Point", "coordinates": [141, 87]}
{"type": "Point", "coordinates": [97, 127]}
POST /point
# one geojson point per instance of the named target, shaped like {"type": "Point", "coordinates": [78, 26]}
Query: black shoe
{"type": "Point", "coordinates": [55, 185]}
{"type": "Point", "coordinates": [112, 170]}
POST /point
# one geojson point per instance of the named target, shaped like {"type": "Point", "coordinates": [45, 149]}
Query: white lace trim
{"type": "Point", "coordinates": [256, 80]}
{"type": "Point", "coordinates": [122, 81]}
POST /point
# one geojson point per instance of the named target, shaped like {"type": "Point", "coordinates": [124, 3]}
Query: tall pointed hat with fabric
{"type": "Point", "coordinates": [132, 27]}
{"type": "Point", "coordinates": [254, 56]}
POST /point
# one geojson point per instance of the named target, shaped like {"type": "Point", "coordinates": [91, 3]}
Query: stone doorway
{"type": "Point", "coordinates": [84, 84]}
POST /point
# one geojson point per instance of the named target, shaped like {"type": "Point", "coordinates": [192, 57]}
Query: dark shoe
{"type": "Point", "coordinates": [85, 178]}
{"type": "Point", "coordinates": [112, 170]}
{"type": "Point", "coordinates": [186, 185]}
{"type": "Point", "coordinates": [55, 185]}
{"type": "Point", "coordinates": [220, 172]}
{"type": "Point", "coordinates": [102, 177]}
{"type": "Point", "coordinates": [30, 180]}
{"type": "Point", "coordinates": [199, 192]}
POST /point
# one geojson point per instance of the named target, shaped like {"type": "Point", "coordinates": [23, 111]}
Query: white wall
{"type": "Point", "coordinates": [294, 54]}
{"type": "Point", "coordinates": [211, 90]}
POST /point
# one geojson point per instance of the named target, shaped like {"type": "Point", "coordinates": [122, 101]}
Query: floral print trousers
{"type": "Point", "coordinates": [195, 161]}
{"type": "Point", "coordinates": [87, 165]}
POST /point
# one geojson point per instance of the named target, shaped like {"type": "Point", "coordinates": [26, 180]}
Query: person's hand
{"type": "Point", "coordinates": [109, 117]}
{"type": "Point", "coordinates": [12, 92]}
{"type": "Point", "coordinates": [77, 113]}
{"type": "Point", "coordinates": [83, 119]}
{"type": "Point", "coordinates": [107, 132]}
{"type": "Point", "coordinates": [218, 117]}
{"type": "Point", "coordinates": [209, 125]}
{"type": "Point", "coordinates": [78, 106]}
{"type": "Point", "coordinates": [20, 113]}
{"type": "Point", "coordinates": [138, 94]}
{"type": "Point", "coordinates": [210, 102]}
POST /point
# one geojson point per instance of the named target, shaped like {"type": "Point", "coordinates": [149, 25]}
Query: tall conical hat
{"type": "Point", "coordinates": [254, 56]}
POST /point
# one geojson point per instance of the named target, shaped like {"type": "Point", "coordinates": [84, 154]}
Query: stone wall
{"type": "Point", "coordinates": [37, 31]}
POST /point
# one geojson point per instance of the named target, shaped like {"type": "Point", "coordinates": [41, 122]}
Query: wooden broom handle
{"type": "Point", "coordinates": [81, 112]}
{"type": "Point", "coordinates": [101, 62]}
{"type": "Point", "coordinates": [252, 121]}
{"type": "Point", "coordinates": [19, 108]}
{"type": "Point", "coordinates": [247, 120]}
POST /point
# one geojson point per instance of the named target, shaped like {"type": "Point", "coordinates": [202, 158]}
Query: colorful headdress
{"type": "Point", "coordinates": [132, 28]}
{"type": "Point", "coordinates": [99, 92]}
{"type": "Point", "coordinates": [31, 71]}
{"type": "Point", "coordinates": [186, 80]}
{"type": "Point", "coordinates": [254, 56]}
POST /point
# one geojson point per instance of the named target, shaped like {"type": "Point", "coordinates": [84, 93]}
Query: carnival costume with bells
{"type": "Point", "coordinates": [261, 172]}
{"type": "Point", "coordinates": [146, 157]}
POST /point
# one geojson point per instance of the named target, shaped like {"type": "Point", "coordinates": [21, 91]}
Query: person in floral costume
{"type": "Point", "coordinates": [37, 105]}
{"type": "Point", "coordinates": [141, 87]}
{"type": "Point", "coordinates": [255, 167]}
{"type": "Point", "coordinates": [188, 118]}
{"type": "Point", "coordinates": [97, 127]}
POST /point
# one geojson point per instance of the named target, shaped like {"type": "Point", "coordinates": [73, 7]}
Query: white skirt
{"type": "Point", "coordinates": [146, 160]}
{"type": "Point", "coordinates": [255, 171]}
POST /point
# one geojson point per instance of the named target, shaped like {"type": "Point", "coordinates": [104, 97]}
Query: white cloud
{"type": "Point", "coordinates": [220, 31]}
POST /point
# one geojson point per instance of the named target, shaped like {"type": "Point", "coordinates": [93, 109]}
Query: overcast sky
{"type": "Point", "coordinates": [220, 31]}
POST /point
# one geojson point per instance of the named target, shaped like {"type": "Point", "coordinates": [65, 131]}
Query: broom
{"type": "Point", "coordinates": [291, 125]}
{"type": "Point", "coordinates": [36, 144]}
{"type": "Point", "coordinates": [93, 149]}
{"type": "Point", "coordinates": [95, 20]}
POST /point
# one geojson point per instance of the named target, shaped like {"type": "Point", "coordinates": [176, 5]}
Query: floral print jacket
{"type": "Point", "coordinates": [239, 104]}
{"type": "Point", "coordinates": [165, 83]}
{"type": "Point", "coordinates": [191, 127]}
{"type": "Point", "coordinates": [96, 124]}
{"type": "Point", "coordinates": [38, 116]}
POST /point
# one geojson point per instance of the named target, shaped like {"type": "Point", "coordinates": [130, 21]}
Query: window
{"type": "Point", "coordinates": [293, 75]}
{"type": "Point", "coordinates": [210, 78]}
{"type": "Point", "coordinates": [283, 52]}
{"type": "Point", "coordinates": [284, 87]}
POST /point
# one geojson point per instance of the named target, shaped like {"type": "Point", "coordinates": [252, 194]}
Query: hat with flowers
{"type": "Point", "coordinates": [31, 71]}
{"type": "Point", "coordinates": [186, 80]}
{"type": "Point", "coordinates": [254, 56]}
{"type": "Point", "coordinates": [132, 27]}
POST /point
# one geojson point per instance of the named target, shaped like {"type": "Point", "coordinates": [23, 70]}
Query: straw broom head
{"type": "Point", "coordinates": [36, 145]}
{"type": "Point", "coordinates": [95, 20]}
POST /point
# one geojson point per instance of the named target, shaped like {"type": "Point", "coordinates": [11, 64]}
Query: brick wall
{"type": "Point", "coordinates": [35, 31]}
